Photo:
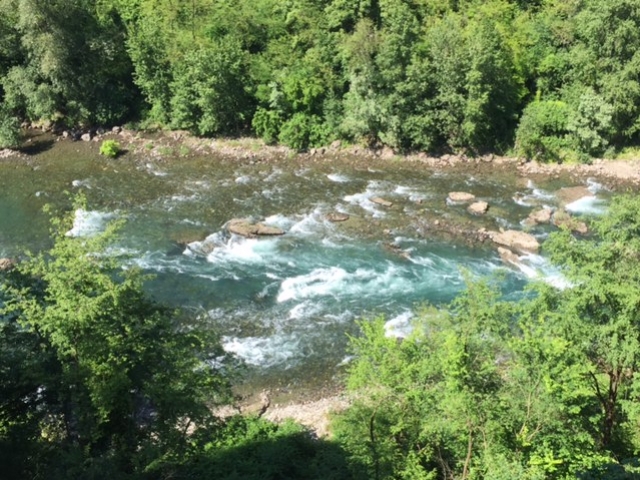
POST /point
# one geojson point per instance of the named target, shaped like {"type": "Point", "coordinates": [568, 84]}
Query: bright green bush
{"type": "Point", "coordinates": [110, 148]}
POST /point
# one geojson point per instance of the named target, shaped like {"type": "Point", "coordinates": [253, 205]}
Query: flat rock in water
{"type": "Point", "coordinates": [461, 197]}
{"type": "Point", "coordinates": [246, 228]}
{"type": "Point", "coordinates": [382, 201]}
{"type": "Point", "coordinates": [337, 217]}
{"type": "Point", "coordinates": [478, 208]}
{"type": "Point", "coordinates": [516, 240]}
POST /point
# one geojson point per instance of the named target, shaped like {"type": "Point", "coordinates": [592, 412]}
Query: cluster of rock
{"type": "Point", "coordinates": [249, 229]}
{"type": "Point", "coordinates": [512, 243]}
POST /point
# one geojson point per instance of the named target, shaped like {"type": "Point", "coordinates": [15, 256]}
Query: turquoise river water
{"type": "Point", "coordinates": [285, 304]}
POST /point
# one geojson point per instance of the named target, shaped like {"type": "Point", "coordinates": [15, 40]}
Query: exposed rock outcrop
{"type": "Point", "coordinates": [478, 208]}
{"type": "Point", "coordinates": [516, 240]}
{"type": "Point", "coordinates": [246, 228]}
{"type": "Point", "coordinates": [460, 197]}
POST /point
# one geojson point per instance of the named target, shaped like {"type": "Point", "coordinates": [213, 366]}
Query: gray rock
{"type": "Point", "coordinates": [86, 137]}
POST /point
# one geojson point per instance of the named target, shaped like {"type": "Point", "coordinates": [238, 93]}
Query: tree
{"type": "Point", "coordinates": [115, 379]}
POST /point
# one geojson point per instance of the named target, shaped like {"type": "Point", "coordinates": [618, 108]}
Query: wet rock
{"type": "Point", "coordinates": [337, 217]}
{"type": "Point", "coordinates": [478, 208]}
{"type": "Point", "coordinates": [541, 216]}
{"type": "Point", "coordinates": [516, 240]}
{"type": "Point", "coordinates": [86, 137]}
{"type": "Point", "coordinates": [382, 202]}
{"type": "Point", "coordinates": [6, 264]}
{"type": "Point", "coordinates": [246, 228]}
{"type": "Point", "coordinates": [562, 219]}
{"type": "Point", "coordinates": [116, 130]}
{"type": "Point", "coordinates": [460, 197]}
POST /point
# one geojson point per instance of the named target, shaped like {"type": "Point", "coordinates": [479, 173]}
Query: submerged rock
{"type": "Point", "coordinates": [246, 228]}
{"type": "Point", "coordinates": [478, 208]}
{"type": "Point", "coordinates": [516, 240]}
{"type": "Point", "coordinates": [460, 197]}
{"type": "Point", "coordinates": [571, 194]}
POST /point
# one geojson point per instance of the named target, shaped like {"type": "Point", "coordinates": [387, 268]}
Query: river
{"type": "Point", "coordinates": [285, 305]}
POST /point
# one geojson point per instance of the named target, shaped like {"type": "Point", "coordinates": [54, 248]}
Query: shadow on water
{"type": "Point", "coordinates": [37, 146]}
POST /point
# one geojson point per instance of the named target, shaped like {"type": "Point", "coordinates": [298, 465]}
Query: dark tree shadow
{"type": "Point", "coordinates": [36, 145]}
{"type": "Point", "coordinates": [273, 454]}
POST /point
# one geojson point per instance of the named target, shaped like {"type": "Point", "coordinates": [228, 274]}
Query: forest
{"type": "Point", "coordinates": [555, 80]}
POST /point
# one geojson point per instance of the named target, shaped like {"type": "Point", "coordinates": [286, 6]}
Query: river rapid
{"type": "Point", "coordinates": [284, 305]}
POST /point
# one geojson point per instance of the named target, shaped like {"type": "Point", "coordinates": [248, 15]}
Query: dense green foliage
{"type": "Point", "coordinates": [543, 388]}
{"type": "Point", "coordinates": [110, 148]}
{"type": "Point", "coordinates": [551, 80]}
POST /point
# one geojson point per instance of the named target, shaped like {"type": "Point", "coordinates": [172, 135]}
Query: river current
{"type": "Point", "coordinates": [285, 305]}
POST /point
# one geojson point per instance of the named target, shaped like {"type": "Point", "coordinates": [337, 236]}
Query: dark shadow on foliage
{"type": "Point", "coordinates": [249, 448]}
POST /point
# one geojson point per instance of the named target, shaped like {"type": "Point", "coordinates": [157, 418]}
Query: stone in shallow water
{"type": "Point", "coordinates": [562, 219]}
{"type": "Point", "coordinates": [337, 217]}
{"type": "Point", "coordinates": [462, 197]}
{"type": "Point", "coordinates": [478, 208]}
{"type": "Point", "coordinates": [245, 228]}
{"type": "Point", "coordinates": [382, 201]}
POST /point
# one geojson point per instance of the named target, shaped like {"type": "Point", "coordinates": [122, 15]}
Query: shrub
{"type": "Point", "coordinates": [110, 148]}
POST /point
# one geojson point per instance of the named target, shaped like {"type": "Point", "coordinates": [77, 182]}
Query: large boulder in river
{"type": "Point", "coordinates": [460, 197]}
{"type": "Point", "coordinates": [478, 208]}
{"type": "Point", "coordinates": [516, 240]}
{"type": "Point", "coordinates": [246, 228]}
{"type": "Point", "coordinates": [6, 264]}
{"type": "Point", "coordinates": [508, 256]}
